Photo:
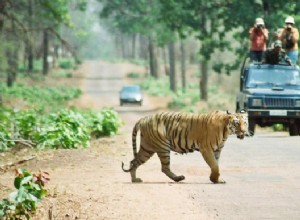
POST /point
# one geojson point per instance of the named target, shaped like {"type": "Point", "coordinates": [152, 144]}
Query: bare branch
{"type": "Point", "coordinates": [7, 166]}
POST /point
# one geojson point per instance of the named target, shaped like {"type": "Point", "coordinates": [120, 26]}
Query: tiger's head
{"type": "Point", "coordinates": [238, 124]}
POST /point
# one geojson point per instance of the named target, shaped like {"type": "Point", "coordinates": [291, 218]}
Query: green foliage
{"type": "Point", "coordinates": [62, 129]}
{"type": "Point", "coordinates": [41, 96]}
{"type": "Point", "coordinates": [156, 87]}
{"type": "Point", "coordinates": [25, 123]}
{"type": "Point", "coordinates": [110, 122]}
{"type": "Point", "coordinates": [103, 123]}
{"type": "Point", "coordinates": [24, 201]}
{"type": "Point", "coordinates": [52, 126]}
{"type": "Point", "coordinates": [37, 66]}
{"type": "Point", "coordinates": [133, 75]}
{"type": "Point", "coordinates": [66, 64]}
{"type": "Point", "coordinates": [183, 101]}
{"type": "Point", "coordinates": [139, 62]}
{"type": "Point", "coordinates": [62, 74]}
{"type": "Point", "coordinates": [188, 101]}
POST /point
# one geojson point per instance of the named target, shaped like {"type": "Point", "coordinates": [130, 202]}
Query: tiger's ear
{"type": "Point", "coordinates": [228, 113]}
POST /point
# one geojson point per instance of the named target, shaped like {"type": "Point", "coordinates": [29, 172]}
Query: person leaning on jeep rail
{"type": "Point", "coordinates": [289, 36]}
{"type": "Point", "coordinates": [258, 40]}
{"type": "Point", "coordinates": [276, 55]}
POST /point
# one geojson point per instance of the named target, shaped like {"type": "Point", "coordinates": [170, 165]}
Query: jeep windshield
{"type": "Point", "coordinates": [273, 77]}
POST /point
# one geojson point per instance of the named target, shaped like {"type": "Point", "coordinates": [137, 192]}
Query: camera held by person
{"type": "Point", "coordinates": [289, 35]}
{"type": "Point", "coordinates": [260, 26]}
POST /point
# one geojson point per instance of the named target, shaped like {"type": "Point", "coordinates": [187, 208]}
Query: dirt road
{"type": "Point", "coordinates": [262, 172]}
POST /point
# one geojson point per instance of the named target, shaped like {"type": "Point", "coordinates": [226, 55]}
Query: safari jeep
{"type": "Point", "coordinates": [270, 94]}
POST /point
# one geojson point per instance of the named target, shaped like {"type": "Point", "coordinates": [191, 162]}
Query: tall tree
{"type": "Point", "coordinates": [137, 16]}
{"type": "Point", "coordinates": [23, 25]}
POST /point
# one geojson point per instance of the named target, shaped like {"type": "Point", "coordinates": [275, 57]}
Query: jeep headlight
{"type": "Point", "coordinates": [256, 102]}
{"type": "Point", "coordinates": [297, 103]}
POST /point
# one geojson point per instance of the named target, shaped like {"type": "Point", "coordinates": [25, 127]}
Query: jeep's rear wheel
{"type": "Point", "coordinates": [294, 129]}
{"type": "Point", "coordinates": [251, 127]}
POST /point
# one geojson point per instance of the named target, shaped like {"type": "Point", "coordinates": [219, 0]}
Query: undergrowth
{"type": "Point", "coordinates": [47, 122]}
{"type": "Point", "coordinates": [23, 202]}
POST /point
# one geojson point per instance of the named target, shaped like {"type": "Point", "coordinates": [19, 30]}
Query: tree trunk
{"type": "Point", "coordinates": [143, 49]}
{"type": "Point", "coordinates": [123, 46]}
{"type": "Point", "coordinates": [133, 46]}
{"type": "Point", "coordinates": [12, 57]}
{"type": "Point", "coordinates": [165, 58]}
{"type": "Point", "coordinates": [12, 63]}
{"type": "Point", "coordinates": [183, 75]}
{"type": "Point", "coordinates": [153, 59]}
{"type": "Point", "coordinates": [10, 74]}
{"type": "Point", "coordinates": [29, 49]}
{"type": "Point", "coordinates": [203, 62]}
{"type": "Point", "coordinates": [203, 80]}
{"type": "Point", "coordinates": [172, 67]}
{"type": "Point", "coordinates": [45, 52]}
{"type": "Point", "coordinates": [2, 10]}
{"type": "Point", "coordinates": [117, 45]}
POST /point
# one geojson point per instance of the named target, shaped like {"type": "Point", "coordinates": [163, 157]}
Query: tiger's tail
{"type": "Point", "coordinates": [134, 134]}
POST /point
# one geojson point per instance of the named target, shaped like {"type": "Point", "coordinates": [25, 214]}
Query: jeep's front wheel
{"type": "Point", "coordinates": [251, 126]}
{"type": "Point", "coordinates": [294, 129]}
{"type": "Point", "coordinates": [237, 107]}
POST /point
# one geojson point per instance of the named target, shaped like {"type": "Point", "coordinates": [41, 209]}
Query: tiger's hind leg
{"type": "Point", "coordinates": [165, 166]}
{"type": "Point", "coordinates": [142, 156]}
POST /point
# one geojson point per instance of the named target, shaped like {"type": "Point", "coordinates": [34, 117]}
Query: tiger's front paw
{"type": "Point", "coordinates": [216, 180]}
{"type": "Point", "coordinates": [220, 180]}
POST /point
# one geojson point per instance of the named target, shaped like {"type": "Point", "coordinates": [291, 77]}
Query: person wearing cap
{"type": "Point", "coordinates": [258, 40]}
{"type": "Point", "coordinates": [276, 55]}
{"type": "Point", "coordinates": [289, 36]}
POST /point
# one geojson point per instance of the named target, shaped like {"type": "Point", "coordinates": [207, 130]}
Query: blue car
{"type": "Point", "coordinates": [131, 94]}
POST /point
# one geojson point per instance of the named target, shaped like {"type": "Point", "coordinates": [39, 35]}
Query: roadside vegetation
{"type": "Point", "coordinates": [187, 99]}
{"type": "Point", "coordinates": [44, 120]}
{"type": "Point", "coordinates": [35, 114]}
{"type": "Point", "coordinates": [22, 203]}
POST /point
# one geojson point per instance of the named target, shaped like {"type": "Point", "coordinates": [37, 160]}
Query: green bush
{"type": "Point", "coordinates": [23, 202]}
{"type": "Point", "coordinates": [63, 74]}
{"type": "Point", "coordinates": [66, 64]}
{"type": "Point", "coordinates": [110, 122]}
{"type": "Point", "coordinates": [38, 95]}
{"type": "Point", "coordinates": [62, 129]}
{"type": "Point", "coordinates": [177, 102]}
{"type": "Point", "coordinates": [48, 124]}
{"type": "Point", "coordinates": [133, 75]}
{"type": "Point", "coordinates": [156, 87]}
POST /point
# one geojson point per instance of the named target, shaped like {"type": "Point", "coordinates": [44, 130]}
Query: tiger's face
{"type": "Point", "coordinates": [238, 124]}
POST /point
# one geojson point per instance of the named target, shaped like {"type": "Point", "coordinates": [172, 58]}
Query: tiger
{"type": "Point", "coordinates": [182, 132]}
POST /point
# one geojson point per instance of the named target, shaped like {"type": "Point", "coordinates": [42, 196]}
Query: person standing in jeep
{"type": "Point", "coordinates": [258, 39]}
{"type": "Point", "coordinates": [289, 36]}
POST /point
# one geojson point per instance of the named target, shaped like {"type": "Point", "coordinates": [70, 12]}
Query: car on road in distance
{"type": "Point", "coordinates": [271, 95]}
{"type": "Point", "coordinates": [131, 94]}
